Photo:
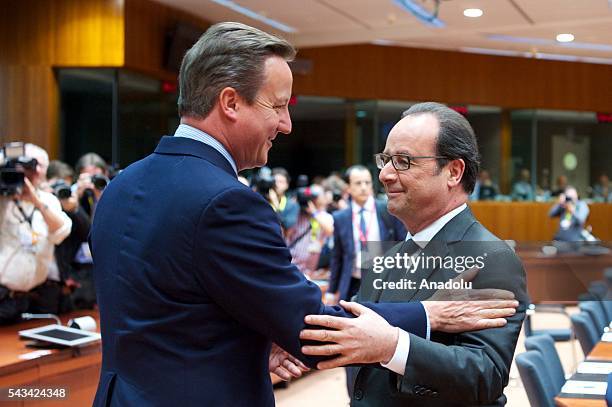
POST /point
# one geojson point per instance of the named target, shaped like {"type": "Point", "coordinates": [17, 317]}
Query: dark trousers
{"type": "Point", "coordinates": [351, 372]}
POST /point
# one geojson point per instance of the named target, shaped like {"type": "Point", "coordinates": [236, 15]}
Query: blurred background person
{"type": "Point", "coordinates": [573, 214]}
{"type": "Point", "coordinates": [337, 191]}
{"type": "Point", "coordinates": [92, 179]}
{"type": "Point", "coordinates": [484, 189]}
{"type": "Point", "coordinates": [522, 190]}
{"type": "Point", "coordinates": [31, 224]}
{"type": "Point", "coordinates": [561, 184]}
{"type": "Point", "coordinates": [314, 225]}
{"type": "Point", "coordinates": [286, 207]}
{"type": "Point", "coordinates": [75, 274]}
{"type": "Point", "coordinates": [601, 190]}
{"type": "Point", "coordinates": [365, 219]}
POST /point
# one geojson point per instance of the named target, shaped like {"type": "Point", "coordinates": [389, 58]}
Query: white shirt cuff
{"type": "Point", "coordinates": [428, 334]}
{"type": "Point", "coordinates": [397, 363]}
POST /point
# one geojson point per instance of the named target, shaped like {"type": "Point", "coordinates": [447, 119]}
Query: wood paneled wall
{"type": "Point", "coordinates": [379, 72]}
{"type": "Point", "coordinates": [529, 221]}
{"type": "Point", "coordinates": [37, 35]}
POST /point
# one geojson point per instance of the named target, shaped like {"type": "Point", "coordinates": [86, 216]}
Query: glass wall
{"type": "Point", "coordinates": [121, 115]}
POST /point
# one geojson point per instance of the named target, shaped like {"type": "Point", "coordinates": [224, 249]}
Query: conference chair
{"type": "Point", "coordinates": [546, 346]}
{"type": "Point", "coordinates": [537, 383]}
{"type": "Point", "coordinates": [585, 331]}
{"type": "Point", "coordinates": [595, 311]}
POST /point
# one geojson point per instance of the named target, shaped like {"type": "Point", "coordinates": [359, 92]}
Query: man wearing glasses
{"type": "Point", "coordinates": [428, 168]}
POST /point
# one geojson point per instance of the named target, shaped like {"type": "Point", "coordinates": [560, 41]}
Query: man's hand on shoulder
{"type": "Point", "coordinates": [455, 311]}
{"type": "Point", "coordinates": [366, 339]}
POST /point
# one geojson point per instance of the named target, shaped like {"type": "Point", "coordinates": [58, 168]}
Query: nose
{"type": "Point", "coordinates": [388, 174]}
{"type": "Point", "coordinates": [284, 125]}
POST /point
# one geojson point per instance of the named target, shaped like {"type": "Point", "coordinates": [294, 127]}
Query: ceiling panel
{"type": "Point", "coordinates": [336, 22]}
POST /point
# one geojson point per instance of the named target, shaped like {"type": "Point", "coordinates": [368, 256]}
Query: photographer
{"type": "Point", "coordinates": [286, 208]}
{"type": "Point", "coordinates": [31, 224]}
{"type": "Point", "coordinates": [314, 225]}
{"type": "Point", "coordinates": [573, 214]}
{"type": "Point", "coordinates": [93, 178]}
{"type": "Point", "coordinates": [76, 277]}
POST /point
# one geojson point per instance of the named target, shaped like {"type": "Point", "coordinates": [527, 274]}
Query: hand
{"type": "Point", "coordinates": [274, 199]}
{"type": "Point", "coordinates": [28, 193]}
{"type": "Point", "coordinates": [285, 365]}
{"type": "Point", "coordinates": [366, 339]}
{"type": "Point", "coordinates": [84, 183]}
{"type": "Point", "coordinates": [457, 311]}
{"type": "Point", "coordinates": [70, 204]}
{"type": "Point", "coordinates": [311, 209]}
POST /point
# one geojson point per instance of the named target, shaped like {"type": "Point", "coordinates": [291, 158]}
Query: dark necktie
{"type": "Point", "coordinates": [362, 225]}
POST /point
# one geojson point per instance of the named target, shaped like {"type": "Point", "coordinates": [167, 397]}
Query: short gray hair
{"type": "Point", "coordinates": [226, 55]}
{"type": "Point", "coordinates": [456, 139]}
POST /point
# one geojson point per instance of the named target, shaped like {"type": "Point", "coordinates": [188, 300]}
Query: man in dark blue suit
{"type": "Point", "coordinates": [365, 219]}
{"type": "Point", "coordinates": [193, 278]}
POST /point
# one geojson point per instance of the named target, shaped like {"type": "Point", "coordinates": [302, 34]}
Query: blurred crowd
{"type": "Point", "coordinates": [45, 215]}
{"type": "Point", "coordinates": [523, 190]}
{"type": "Point", "coordinates": [46, 209]}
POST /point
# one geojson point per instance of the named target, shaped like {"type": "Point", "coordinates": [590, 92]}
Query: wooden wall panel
{"type": "Point", "coordinates": [146, 25]}
{"type": "Point", "coordinates": [88, 33]}
{"type": "Point", "coordinates": [377, 72]}
{"type": "Point", "coordinates": [37, 35]}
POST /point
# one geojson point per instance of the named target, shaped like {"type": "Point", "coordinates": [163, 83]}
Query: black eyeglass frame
{"type": "Point", "coordinates": [391, 157]}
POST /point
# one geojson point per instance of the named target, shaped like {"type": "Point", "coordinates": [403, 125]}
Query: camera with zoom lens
{"type": "Point", "coordinates": [305, 195]}
{"type": "Point", "coordinates": [99, 181]}
{"type": "Point", "coordinates": [61, 189]}
{"type": "Point", "coordinates": [13, 165]}
{"type": "Point", "coordinates": [263, 181]}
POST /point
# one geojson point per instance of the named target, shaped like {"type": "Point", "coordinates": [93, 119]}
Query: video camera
{"type": "Point", "coordinates": [263, 181]}
{"type": "Point", "coordinates": [13, 165]}
{"type": "Point", "coordinates": [305, 195]}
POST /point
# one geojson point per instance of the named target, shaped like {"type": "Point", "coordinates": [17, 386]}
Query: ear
{"type": "Point", "coordinates": [228, 103]}
{"type": "Point", "coordinates": [455, 172]}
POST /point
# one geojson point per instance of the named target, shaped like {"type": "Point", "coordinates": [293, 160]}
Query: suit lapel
{"type": "Point", "coordinates": [452, 232]}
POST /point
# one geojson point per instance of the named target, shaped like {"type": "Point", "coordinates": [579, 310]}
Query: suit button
{"type": "Point", "coordinates": [358, 394]}
{"type": "Point", "coordinates": [435, 394]}
{"type": "Point", "coordinates": [428, 392]}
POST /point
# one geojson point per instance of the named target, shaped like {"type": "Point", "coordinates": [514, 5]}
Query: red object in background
{"type": "Point", "coordinates": [168, 87]}
{"type": "Point", "coordinates": [293, 100]}
{"type": "Point", "coordinates": [604, 117]}
{"type": "Point", "coordinates": [460, 109]}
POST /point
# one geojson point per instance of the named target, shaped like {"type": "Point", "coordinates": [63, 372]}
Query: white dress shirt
{"type": "Point", "coordinates": [397, 363]}
{"type": "Point", "coordinates": [372, 229]}
{"type": "Point", "coordinates": [186, 131]}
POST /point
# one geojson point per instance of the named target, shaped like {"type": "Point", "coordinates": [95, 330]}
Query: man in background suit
{"type": "Point", "coordinates": [194, 280]}
{"type": "Point", "coordinates": [365, 219]}
{"type": "Point", "coordinates": [428, 168]}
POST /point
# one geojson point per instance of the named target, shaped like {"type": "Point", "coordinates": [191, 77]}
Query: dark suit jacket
{"type": "Point", "coordinates": [452, 369]}
{"type": "Point", "coordinates": [343, 254]}
{"type": "Point", "coordinates": [194, 282]}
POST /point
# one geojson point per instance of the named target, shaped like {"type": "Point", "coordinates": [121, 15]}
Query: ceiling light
{"type": "Point", "coordinates": [256, 16]}
{"type": "Point", "coordinates": [565, 38]}
{"type": "Point", "coordinates": [472, 12]}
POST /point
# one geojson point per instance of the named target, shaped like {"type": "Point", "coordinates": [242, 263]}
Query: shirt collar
{"type": "Point", "coordinates": [424, 236]}
{"type": "Point", "coordinates": [368, 205]}
{"type": "Point", "coordinates": [190, 132]}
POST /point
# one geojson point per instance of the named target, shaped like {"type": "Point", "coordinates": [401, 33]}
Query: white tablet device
{"type": "Point", "coordinates": [61, 335]}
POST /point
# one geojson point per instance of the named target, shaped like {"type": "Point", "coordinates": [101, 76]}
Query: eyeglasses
{"type": "Point", "coordinates": [401, 162]}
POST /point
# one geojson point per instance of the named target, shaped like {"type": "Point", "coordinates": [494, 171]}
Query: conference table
{"type": "Point", "coordinates": [74, 369]}
{"type": "Point", "coordinates": [560, 278]}
{"type": "Point", "coordinates": [602, 352]}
